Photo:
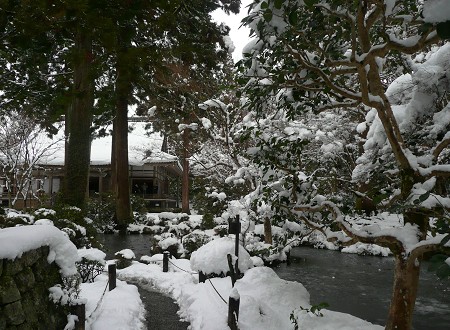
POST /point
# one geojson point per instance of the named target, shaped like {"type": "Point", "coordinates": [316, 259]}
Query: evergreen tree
{"type": "Point", "coordinates": [313, 57]}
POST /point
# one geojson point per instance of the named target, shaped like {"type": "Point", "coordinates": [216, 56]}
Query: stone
{"type": "Point", "coordinates": [8, 290]}
{"type": "Point", "coordinates": [30, 257]}
{"type": "Point", "coordinates": [14, 313]}
{"type": "Point", "coordinates": [1, 268]}
{"type": "Point", "coordinates": [2, 319]}
{"type": "Point", "coordinates": [31, 309]}
{"type": "Point", "coordinates": [12, 267]}
{"type": "Point", "coordinates": [26, 326]}
{"type": "Point", "coordinates": [25, 280]}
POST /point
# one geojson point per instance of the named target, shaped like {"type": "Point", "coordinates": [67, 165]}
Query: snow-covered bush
{"type": "Point", "coordinates": [211, 258]}
{"type": "Point", "coordinates": [124, 258]}
{"type": "Point", "coordinates": [166, 242]}
{"type": "Point", "coordinates": [101, 210]}
{"type": "Point", "coordinates": [91, 265]}
{"type": "Point", "coordinates": [194, 241]}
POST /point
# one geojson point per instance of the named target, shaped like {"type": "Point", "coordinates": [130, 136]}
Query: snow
{"type": "Point", "coordinates": [126, 254]}
{"type": "Point", "coordinates": [17, 240]}
{"type": "Point", "coordinates": [212, 257]}
{"type": "Point", "coordinates": [92, 254]}
{"type": "Point", "coordinates": [120, 308]}
{"type": "Point", "coordinates": [143, 148]}
{"type": "Point", "coordinates": [266, 301]}
{"type": "Point", "coordinates": [435, 11]}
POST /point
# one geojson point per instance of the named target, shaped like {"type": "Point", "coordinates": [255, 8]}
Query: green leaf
{"type": "Point", "coordinates": [443, 271]}
{"type": "Point", "coordinates": [264, 5]}
{"type": "Point", "coordinates": [268, 15]}
{"type": "Point", "coordinates": [293, 18]}
{"type": "Point", "coordinates": [310, 3]}
{"type": "Point", "coordinates": [443, 30]}
{"type": "Point", "coordinates": [278, 4]}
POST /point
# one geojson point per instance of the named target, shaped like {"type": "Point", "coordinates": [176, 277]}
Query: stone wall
{"type": "Point", "coordinates": [24, 295]}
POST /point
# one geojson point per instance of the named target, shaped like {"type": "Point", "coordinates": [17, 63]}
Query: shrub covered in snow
{"type": "Point", "coordinates": [91, 265]}
{"type": "Point", "coordinates": [211, 258]}
{"type": "Point", "coordinates": [194, 241]}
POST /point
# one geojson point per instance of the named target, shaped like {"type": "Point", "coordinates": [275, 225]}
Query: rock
{"type": "Point", "coordinates": [14, 313]}
{"type": "Point", "coordinates": [25, 280]}
{"type": "Point", "coordinates": [8, 290]}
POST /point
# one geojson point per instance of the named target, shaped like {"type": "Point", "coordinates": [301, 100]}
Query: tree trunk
{"type": "Point", "coordinates": [185, 177]}
{"type": "Point", "coordinates": [406, 280]}
{"type": "Point", "coordinates": [267, 231]}
{"type": "Point", "coordinates": [120, 132]}
{"type": "Point", "coordinates": [78, 122]}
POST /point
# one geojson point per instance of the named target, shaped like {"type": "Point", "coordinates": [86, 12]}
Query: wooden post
{"type": "Point", "coordinates": [232, 273]}
{"type": "Point", "coordinates": [112, 276]}
{"type": "Point", "coordinates": [201, 277]}
{"type": "Point", "coordinates": [236, 244]}
{"type": "Point", "coordinates": [233, 309]}
{"type": "Point", "coordinates": [80, 312]}
{"type": "Point", "coordinates": [166, 255]}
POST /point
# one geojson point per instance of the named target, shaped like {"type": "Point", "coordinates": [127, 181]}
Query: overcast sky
{"type": "Point", "coordinates": [238, 35]}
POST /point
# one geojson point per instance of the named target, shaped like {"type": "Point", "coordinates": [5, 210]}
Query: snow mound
{"type": "Point", "coordinates": [212, 257]}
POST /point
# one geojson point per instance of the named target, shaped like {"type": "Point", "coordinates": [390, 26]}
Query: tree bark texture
{"type": "Point", "coordinates": [78, 122]}
{"type": "Point", "coordinates": [267, 231]}
{"type": "Point", "coordinates": [185, 177]}
{"type": "Point", "coordinates": [120, 132]}
{"type": "Point", "coordinates": [406, 280]}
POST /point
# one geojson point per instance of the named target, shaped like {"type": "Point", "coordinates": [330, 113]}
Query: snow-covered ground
{"type": "Point", "coordinates": [266, 300]}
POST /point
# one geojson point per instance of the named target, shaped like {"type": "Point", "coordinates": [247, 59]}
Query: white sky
{"type": "Point", "coordinates": [238, 35]}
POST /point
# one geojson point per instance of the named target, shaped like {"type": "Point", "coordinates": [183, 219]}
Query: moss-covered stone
{"type": "Point", "coordinates": [30, 257]}
{"type": "Point", "coordinates": [12, 267]}
{"type": "Point", "coordinates": [1, 267]}
{"type": "Point", "coordinates": [2, 319]}
{"type": "Point", "coordinates": [8, 290]}
{"type": "Point", "coordinates": [30, 308]}
{"type": "Point", "coordinates": [26, 326]}
{"type": "Point", "coordinates": [14, 313]}
{"type": "Point", "coordinates": [25, 280]}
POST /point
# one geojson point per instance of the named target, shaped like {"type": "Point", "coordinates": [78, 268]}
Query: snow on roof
{"type": "Point", "coordinates": [143, 148]}
{"type": "Point", "coordinates": [15, 241]}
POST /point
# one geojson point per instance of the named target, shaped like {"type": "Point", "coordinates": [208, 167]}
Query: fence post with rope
{"type": "Point", "coordinates": [233, 309]}
{"type": "Point", "coordinates": [112, 276]}
{"type": "Point", "coordinates": [166, 255]}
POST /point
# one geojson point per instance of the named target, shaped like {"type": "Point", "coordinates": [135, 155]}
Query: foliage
{"type": "Point", "coordinates": [89, 269]}
{"type": "Point", "coordinates": [101, 210]}
{"type": "Point", "coordinates": [193, 241]}
{"type": "Point", "coordinates": [350, 94]}
{"type": "Point", "coordinates": [314, 310]}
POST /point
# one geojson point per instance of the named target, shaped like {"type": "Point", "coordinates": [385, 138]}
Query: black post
{"type": "Point", "coordinates": [166, 255]}
{"type": "Point", "coordinates": [232, 273]}
{"type": "Point", "coordinates": [233, 310]}
{"type": "Point", "coordinates": [201, 277]}
{"type": "Point", "coordinates": [236, 245]}
{"type": "Point", "coordinates": [80, 312]}
{"type": "Point", "coordinates": [112, 276]}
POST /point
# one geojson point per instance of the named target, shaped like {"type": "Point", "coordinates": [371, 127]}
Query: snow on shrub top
{"type": "Point", "coordinates": [15, 241]}
{"type": "Point", "coordinates": [212, 257]}
{"type": "Point", "coordinates": [126, 254]}
{"type": "Point", "coordinates": [92, 254]}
